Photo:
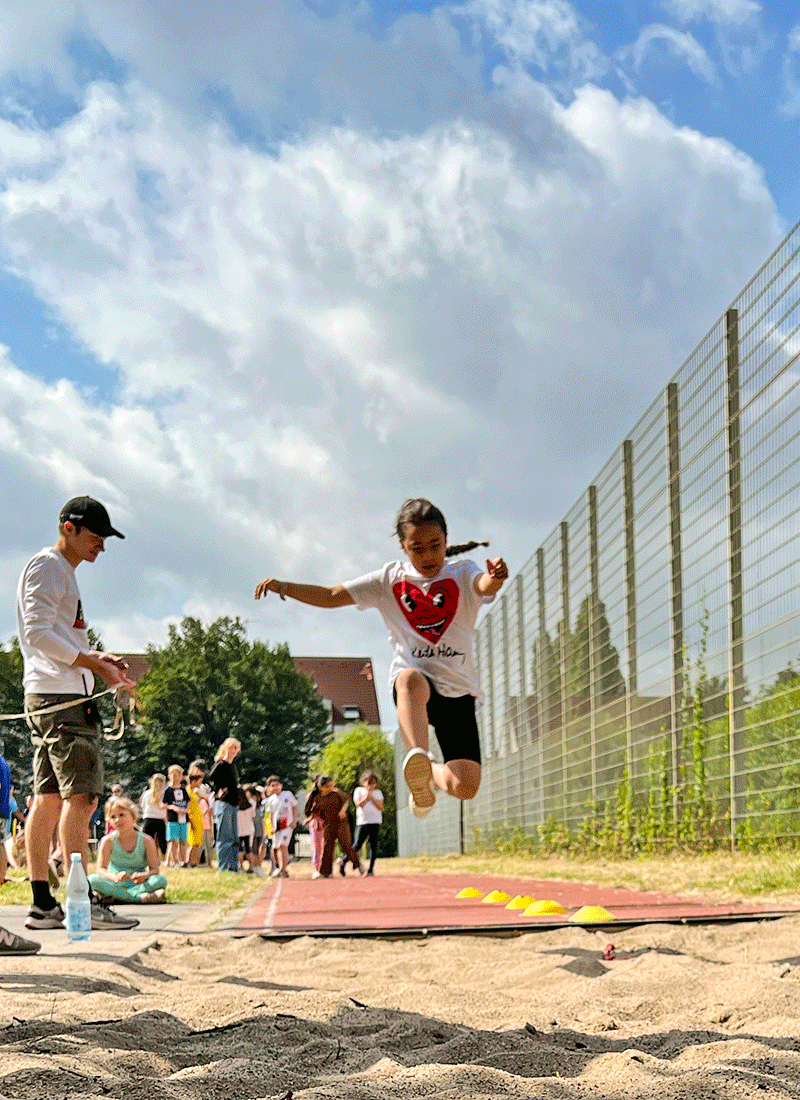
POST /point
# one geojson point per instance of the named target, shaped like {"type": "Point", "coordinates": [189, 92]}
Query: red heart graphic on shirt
{"type": "Point", "coordinates": [428, 614]}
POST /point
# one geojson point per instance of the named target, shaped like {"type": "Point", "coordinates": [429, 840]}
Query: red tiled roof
{"type": "Point", "coordinates": [345, 682]}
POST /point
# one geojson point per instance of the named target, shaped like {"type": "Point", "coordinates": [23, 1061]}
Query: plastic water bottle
{"type": "Point", "coordinates": [79, 907]}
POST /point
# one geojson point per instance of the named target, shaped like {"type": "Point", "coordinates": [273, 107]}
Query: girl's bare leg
{"type": "Point", "coordinates": [460, 778]}
{"type": "Point", "coordinates": [413, 693]}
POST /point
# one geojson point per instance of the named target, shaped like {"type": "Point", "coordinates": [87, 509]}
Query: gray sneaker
{"type": "Point", "coordinates": [12, 944]}
{"type": "Point", "coordinates": [105, 919]}
{"type": "Point", "coordinates": [45, 918]}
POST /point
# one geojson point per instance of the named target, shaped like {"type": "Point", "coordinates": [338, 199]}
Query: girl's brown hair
{"type": "Point", "coordinates": [418, 510]}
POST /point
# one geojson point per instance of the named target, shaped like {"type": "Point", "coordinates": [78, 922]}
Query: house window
{"type": "Point", "coordinates": [351, 714]}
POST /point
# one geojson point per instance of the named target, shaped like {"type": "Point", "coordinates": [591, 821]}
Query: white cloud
{"type": "Point", "coordinates": [547, 34]}
{"type": "Point", "coordinates": [715, 11]}
{"type": "Point", "coordinates": [304, 337]}
{"type": "Point", "coordinates": [791, 74]}
{"type": "Point", "coordinates": [679, 43]}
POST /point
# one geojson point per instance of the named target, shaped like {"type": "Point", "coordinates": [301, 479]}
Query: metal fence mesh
{"type": "Point", "coordinates": [647, 656]}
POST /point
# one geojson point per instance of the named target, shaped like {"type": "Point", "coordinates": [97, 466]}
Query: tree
{"type": "Point", "coordinates": [209, 683]}
{"type": "Point", "coordinates": [14, 735]}
{"type": "Point", "coordinates": [364, 748]}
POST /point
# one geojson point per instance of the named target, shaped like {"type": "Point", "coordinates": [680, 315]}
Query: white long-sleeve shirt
{"type": "Point", "coordinates": [51, 628]}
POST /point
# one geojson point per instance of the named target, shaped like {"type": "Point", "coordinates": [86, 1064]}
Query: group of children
{"type": "Point", "coordinates": [178, 814]}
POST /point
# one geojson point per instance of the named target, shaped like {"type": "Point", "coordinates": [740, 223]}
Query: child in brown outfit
{"type": "Point", "coordinates": [331, 805]}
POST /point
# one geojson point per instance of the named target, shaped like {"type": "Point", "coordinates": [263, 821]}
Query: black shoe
{"type": "Point", "coordinates": [45, 918]}
{"type": "Point", "coordinates": [12, 944]}
{"type": "Point", "coordinates": [104, 918]}
{"type": "Point", "coordinates": [342, 865]}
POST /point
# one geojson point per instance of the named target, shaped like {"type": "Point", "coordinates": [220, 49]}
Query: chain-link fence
{"type": "Point", "coordinates": [642, 671]}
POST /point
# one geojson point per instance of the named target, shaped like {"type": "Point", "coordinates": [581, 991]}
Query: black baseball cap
{"type": "Point", "coordinates": [87, 512]}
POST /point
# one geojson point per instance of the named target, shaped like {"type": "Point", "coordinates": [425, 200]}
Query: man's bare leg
{"type": "Point", "coordinates": [73, 829]}
{"type": "Point", "coordinates": [42, 820]}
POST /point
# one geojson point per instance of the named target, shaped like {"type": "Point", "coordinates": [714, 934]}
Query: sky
{"type": "Point", "coordinates": [268, 269]}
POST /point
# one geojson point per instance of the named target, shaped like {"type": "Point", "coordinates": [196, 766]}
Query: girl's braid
{"type": "Point", "coordinates": [462, 548]}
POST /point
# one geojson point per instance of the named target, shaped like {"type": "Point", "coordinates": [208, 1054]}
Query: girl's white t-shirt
{"type": "Point", "coordinates": [431, 620]}
{"type": "Point", "coordinates": [367, 813]}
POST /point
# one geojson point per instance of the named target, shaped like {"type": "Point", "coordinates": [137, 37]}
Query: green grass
{"type": "Point", "coordinates": [771, 878]}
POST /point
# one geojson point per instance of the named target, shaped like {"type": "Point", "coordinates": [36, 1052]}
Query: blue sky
{"type": "Point", "coordinates": [268, 269]}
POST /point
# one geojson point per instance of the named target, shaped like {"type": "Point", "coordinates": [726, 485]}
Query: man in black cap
{"type": "Point", "coordinates": [60, 667]}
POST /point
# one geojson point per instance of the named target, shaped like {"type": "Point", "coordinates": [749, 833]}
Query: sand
{"type": "Point", "coordinates": [690, 1012]}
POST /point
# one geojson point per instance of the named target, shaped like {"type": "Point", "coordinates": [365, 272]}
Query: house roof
{"type": "Point", "coordinates": [345, 682]}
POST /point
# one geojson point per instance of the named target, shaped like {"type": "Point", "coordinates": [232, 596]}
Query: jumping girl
{"type": "Point", "coordinates": [430, 606]}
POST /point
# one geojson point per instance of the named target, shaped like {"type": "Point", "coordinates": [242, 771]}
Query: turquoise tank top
{"type": "Point", "coordinates": [128, 861]}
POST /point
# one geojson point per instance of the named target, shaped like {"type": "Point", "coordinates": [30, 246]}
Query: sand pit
{"type": "Point", "coordinates": [685, 1012]}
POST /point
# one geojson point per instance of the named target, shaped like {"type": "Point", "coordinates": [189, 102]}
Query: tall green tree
{"type": "Point", "coordinates": [363, 748]}
{"type": "Point", "coordinates": [14, 735]}
{"type": "Point", "coordinates": [210, 682]}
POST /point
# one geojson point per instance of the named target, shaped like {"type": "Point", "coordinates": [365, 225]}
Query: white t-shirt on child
{"type": "Point", "coordinates": [431, 620]}
{"type": "Point", "coordinates": [282, 807]}
{"type": "Point", "coordinates": [367, 813]}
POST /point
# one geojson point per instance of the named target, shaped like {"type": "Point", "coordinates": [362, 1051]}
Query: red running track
{"type": "Point", "coordinates": [427, 903]}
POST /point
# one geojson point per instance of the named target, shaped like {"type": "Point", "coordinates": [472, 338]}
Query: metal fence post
{"type": "Point", "coordinates": [594, 605]}
{"type": "Point", "coordinates": [676, 573]}
{"type": "Point", "coordinates": [630, 601]}
{"type": "Point", "coordinates": [736, 684]}
{"type": "Point", "coordinates": [563, 652]}
{"type": "Point", "coordinates": [542, 673]}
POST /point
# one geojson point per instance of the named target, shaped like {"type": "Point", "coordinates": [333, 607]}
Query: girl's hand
{"type": "Point", "coordinates": [139, 877]}
{"type": "Point", "coordinates": [497, 569]}
{"type": "Point", "coordinates": [121, 876]}
{"type": "Point", "coordinates": [271, 585]}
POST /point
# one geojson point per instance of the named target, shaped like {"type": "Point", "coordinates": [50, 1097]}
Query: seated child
{"type": "Point", "coordinates": [127, 860]}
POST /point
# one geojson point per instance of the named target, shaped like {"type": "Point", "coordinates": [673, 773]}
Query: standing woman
{"type": "Point", "coordinates": [224, 782]}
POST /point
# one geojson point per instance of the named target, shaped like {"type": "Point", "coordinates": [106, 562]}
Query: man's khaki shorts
{"type": "Point", "coordinates": [66, 746]}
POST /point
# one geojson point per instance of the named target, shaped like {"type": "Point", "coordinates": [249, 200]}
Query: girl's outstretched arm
{"type": "Point", "coordinates": [314, 594]}
{"type": "Point", "coordinates": [492, 580]}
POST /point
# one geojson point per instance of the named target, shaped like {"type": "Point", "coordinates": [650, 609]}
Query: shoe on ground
{"type": "Point", "coordinates": [362, 869]}
{"type": "Point", "coordinates": [105, 919]}
{"type": "Point", "coordinates": [341, 865]}
{"type": "Point", "coordinates": [45, 918]}
{"type": "Point", "coordinates": [317, 874]}
{"type": "Point", "coordinates": [275, 873]}
{"type": "Point", "coordinates": [418, 775]}
{"type": "Point", "coordinates": [284, 874]}
{"type": "Point", "coordinates": [260, 872]}
{"type": "Point", "coordinates": [12, 944]}
{"type": "Point", "coordinates": [370, 873]}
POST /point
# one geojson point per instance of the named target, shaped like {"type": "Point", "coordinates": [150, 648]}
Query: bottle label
{"type": "Point", "coordinates": [79, 918]}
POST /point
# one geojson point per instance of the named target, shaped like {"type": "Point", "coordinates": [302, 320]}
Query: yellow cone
{"type": "Point", "coordinates": [521, 901]}
{"type": "Point", "coordinates": [469, 892]}
{"type": "Point", "coordinates": [592, 914]}
{"type": "Point", "coordinates": [495, 898]}
{"type": "Point", "coordinates": [541, 908]}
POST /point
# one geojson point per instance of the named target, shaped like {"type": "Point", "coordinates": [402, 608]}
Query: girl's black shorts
{"type": "Point", "coordinates": [454, 723]}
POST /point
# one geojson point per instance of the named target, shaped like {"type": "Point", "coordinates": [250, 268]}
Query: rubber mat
{"type": "Point", "coordinates": [427, 904]}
